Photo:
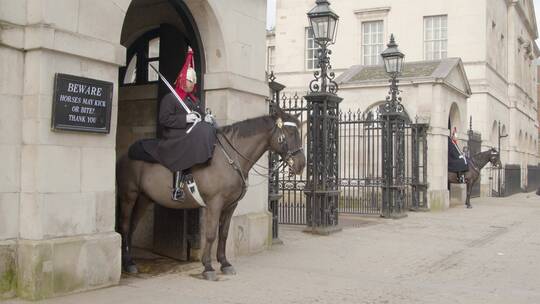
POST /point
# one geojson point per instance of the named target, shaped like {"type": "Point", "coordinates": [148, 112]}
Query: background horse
{"type": "Point", "coordinates": [478, 162]}
{"type": "Point", "coordinates": [222, 182]}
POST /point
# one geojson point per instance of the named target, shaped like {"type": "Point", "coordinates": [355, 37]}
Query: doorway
{"type": "Point", "coordinates": [157, 33]}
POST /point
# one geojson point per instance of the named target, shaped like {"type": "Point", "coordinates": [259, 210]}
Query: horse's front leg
{"type": "Point", "coordinates": [224, 224]}
{"type": "Point", "coordinates": [213, 212]}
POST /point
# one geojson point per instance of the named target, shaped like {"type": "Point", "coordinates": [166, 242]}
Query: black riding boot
{"type": "Point", "coordinates": [177, 191]}
{"type": "Point", "coordinates": [461, 177]}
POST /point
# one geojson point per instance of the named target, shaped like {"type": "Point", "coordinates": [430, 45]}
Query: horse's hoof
{"type": "Point", "coordinates": [209, 275]}
{"type": "Point", "coordinates": [228, 270]}
{"type": "Point", "coordinates": [469, 207]}
{"type": "Point", "coordinates": [131, 269]}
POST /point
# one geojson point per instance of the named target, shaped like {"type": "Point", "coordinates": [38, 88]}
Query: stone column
{"type": "Point", "coordinates": [64, 182]}
{"type": "Point", "coordinates": [438, 198]}
{"type": "Point", "coordinates": [11, 79]}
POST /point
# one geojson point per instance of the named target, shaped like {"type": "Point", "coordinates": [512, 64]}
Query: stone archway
{"type": "Point", "coordinates": [457, 192]}
{"type": "Point", "coordinates": [454, 118]}
{"type": "Point", "coordinates": [161, 39]}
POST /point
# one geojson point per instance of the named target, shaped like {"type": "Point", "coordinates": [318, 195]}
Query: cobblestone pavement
{"type": "Point", "coordinates": [488, 254]}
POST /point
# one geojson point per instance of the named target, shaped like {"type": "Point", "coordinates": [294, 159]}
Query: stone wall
{"type": "Point", "coordinates": [137, 112]}
{"type": "Point", "coordinates": [57, 189]}
{"type": "Point", "coordinates": [11, 115]}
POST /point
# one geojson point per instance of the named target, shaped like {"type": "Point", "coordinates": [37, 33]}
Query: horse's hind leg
{"type": "Point", "coordinates": [128, 201]}
{"type": "Point", "coordinates": [138, 212]}
{"type": "Point", "coordinates": [469, 190]}
{"type": "Point", "coordinates": [212, 216]}
{"type": "Point", "coordinates": [224, 224]}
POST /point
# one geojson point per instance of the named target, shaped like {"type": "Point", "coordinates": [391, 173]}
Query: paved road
{"type": "Point", "coordinates": [488, 254]}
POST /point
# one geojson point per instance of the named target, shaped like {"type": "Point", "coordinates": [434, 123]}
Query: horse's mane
{"type": "Point", "coordinates": [249, 127]}
{"type": "Point", "coordinates": [256, 125]}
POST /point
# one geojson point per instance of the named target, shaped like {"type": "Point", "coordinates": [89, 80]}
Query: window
{"type": "Point", "coordinates": [131, 71]}
{"type": "Point", "coordinates": [141, 54]}
{"type": "Point", "coordinates": [435, 37]}
{"type": "Point", "coordinates": [270, 58]}
{"type": "Point", "coordinates": [153, 58]}
{"type": "Point", "coordinates": [372, 42]}
{"type": "Point", "coordinates": [311, 51]}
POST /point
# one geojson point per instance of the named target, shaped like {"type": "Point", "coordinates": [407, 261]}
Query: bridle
{"type": "Point", "coordinates": [288, 159]}
{"type": "Point", "coordinates": [495, 157]}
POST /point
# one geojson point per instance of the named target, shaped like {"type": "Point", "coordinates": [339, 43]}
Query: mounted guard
{"type": "Point", "coordinates": [222, 181]}
{"type": "Point", "coordinates": [457, 161]}
{"type": "Point", "coordinates": [187, 139]}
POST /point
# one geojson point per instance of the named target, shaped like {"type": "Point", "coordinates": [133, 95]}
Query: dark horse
{"type": "Point", "coordinates": [478, 162]}
{"type": "Point", "coordinates": [222, 182]}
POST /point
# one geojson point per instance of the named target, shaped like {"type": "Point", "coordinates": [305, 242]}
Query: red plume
{"type": "Point", "coordinates": [181, 79]}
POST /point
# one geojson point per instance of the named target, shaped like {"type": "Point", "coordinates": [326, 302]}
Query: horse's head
{"type": "Point", "coordinates": [494, 157]}
{"type": "Point", "coordinates": [286, 140]}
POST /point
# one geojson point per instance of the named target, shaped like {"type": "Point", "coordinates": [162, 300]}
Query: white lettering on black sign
{"type": "Point", "coordinates": [84, 89]}
{"type": "Point", "coordinates": [81, 104]}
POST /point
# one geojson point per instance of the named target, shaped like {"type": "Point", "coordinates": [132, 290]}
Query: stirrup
{"type": "Point", "coordinates": [177, 194]}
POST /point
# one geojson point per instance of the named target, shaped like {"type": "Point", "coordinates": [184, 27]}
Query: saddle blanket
{"type": "Point", "coordinates": [137, 152]}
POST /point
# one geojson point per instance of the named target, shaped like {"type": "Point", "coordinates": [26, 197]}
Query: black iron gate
{"type": "Point", "coordinates": [533, 178]}
{"type": "Point", "coordinates": [360, 166]}
{"type": "Point", "coordinates": [512, 179]}
{"type": "Point", "coordinates": [496, 181]}
{"type": "Point", "coordinates": [291, 206]}
{"type": "Point", "coordinates": [361, 175]}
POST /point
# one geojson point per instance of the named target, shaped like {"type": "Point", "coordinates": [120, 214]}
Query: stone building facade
{"type": "Point", "coordinates": [538, 101]}
{"type": "Point", "coordinates": [444, 80]}
{"type": "Point", "coordinates": [57, 188]}
{"type": "Point", "coordinates": [495, 40]}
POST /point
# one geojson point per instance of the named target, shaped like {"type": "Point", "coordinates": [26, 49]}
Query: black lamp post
{"type": "Point", "coordinates": [324, 23]}
{"type": "Point", "coordinates": [322, 187]}
{"type": "Point", "coordinates": [393, 148]}
{"type": "Point", "coordinates": [393, 64]}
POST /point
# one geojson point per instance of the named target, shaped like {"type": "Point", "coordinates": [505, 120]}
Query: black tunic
{"type": "Point", "coordinates": [455, 163]}
{"type": "Point", "coordinates": [178, 150]}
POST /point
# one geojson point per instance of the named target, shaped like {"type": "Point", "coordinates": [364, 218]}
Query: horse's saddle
{"type": "Point", "coordinates": [136, 150]}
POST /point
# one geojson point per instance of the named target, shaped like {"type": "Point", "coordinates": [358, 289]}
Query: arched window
{"type": "Point", "coordinates": [504, 141]}
{"type": "Point", "coordinates": [454, 118]}
{"type": "Point", "coordinates": [494, 133]}
{"type": "Point", "coordinates": [141, 54]}
{"type": "Point", "coordinates": [374, 111]}
{"type": "Point", "coordinates": [520, 141]}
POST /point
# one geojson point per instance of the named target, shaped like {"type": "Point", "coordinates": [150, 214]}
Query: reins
{"type": "Point", "coordinates": [231, 162]}
{"type": "Point", "coordinates": [239, 153]}
{"type": "Point", "coordinates": [279, 124]}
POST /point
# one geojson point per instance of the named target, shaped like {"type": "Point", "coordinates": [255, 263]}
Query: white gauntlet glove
{"type": "Point", "coordinates": [192, 117]}
{"type": "Point", "coordinates": [209, 118]}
